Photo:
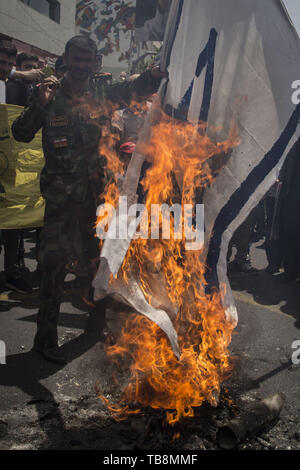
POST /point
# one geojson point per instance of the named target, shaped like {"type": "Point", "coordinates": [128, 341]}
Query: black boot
{"type": "Point", "coordinates": [242, 266]}
{"type": "Point", "coordinates": [50, 353]}
{"type": "Point", "coordinates": [53, 354]}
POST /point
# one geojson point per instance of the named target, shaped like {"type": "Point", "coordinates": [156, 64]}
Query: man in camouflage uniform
{"type": "Point", "coordinates": [72, 113]}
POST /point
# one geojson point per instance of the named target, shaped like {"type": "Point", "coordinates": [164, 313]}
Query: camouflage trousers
{"type": "Point", "coordinates": [68, 234]}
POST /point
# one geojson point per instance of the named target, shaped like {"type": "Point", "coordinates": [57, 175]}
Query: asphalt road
{"type": "Point", "coordinates": [269, 323]}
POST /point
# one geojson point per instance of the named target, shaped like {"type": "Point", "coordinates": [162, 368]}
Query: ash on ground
{"type": "Point", "coordinates": [84, 423]}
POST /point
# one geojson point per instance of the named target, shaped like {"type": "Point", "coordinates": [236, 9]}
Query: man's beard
{"type": "Point", "coordinates": [79, 74]}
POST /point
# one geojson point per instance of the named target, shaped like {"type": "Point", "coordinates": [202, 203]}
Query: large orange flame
{"type": "Point", "coordinates": [184, 160]}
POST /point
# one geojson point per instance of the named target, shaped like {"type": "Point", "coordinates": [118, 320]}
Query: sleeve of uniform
{"type": "Point", "coordinates": [15, 93]}
{"type": "Point", "coordinates": [30, 121]}
{"type": "Point", "coordinates": [143, 87]}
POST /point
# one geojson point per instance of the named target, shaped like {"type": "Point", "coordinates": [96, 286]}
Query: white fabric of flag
{"type": "Point", "coordinates": [237, 62]}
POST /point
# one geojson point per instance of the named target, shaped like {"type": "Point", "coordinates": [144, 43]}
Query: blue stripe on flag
{"type": "Point", "coordinates": [239, 198]}
{"type": "Point", "coordinates": [206, 59]}
{"type": "Point", "coordinates": [175, 31]}
{"type": "Point", "coordinates": [209, 77]}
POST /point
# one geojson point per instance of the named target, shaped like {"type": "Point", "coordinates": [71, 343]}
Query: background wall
{"type": "Point", "coordinates": [22, 22]}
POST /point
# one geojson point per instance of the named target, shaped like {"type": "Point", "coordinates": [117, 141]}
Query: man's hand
{"type": "Point", "coordinates": [157, 73]}
{"type": "Point", "coordinates": [47, 89]}
{"type": "Point", "coordinates": [34, 75]}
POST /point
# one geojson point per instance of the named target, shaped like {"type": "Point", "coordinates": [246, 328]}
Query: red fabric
{"type": "Point", "coordinates": [127, 147]}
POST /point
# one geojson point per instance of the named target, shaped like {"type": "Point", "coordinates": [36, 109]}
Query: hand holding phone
{"type": "Point", "coordinates": [47, 89]}
{"type": "Point", "coordinates": [47, 71]}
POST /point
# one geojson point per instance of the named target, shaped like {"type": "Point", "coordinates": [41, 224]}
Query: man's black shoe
{"type": "Point", "coordinates": [54, 355]}
{"type": "Point", "coordinates": [242, 266]}
{"type": "Point", "coordinates": [23, 269]}
{"type": "Point", "coordinates": [51, 353]}
{"type": "Point", "coordinates": [18, 285]}
{"type": "Point", "coordinates": [102, 334]}
{"type": "Point", "coordinates": [272, 269]}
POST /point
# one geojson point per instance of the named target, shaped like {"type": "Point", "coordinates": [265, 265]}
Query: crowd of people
{"type": "Point", "coordinates": [276, 221]}
{"type": "Point", "coordinates": [71, 110]}
{"type": "Point", "coordinates": [19, 83]}
{"type": "Point", "coordinates": [69, 107]}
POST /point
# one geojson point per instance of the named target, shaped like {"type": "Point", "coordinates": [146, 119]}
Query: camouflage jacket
{"type": "Point", "coordinates": [71, 131]}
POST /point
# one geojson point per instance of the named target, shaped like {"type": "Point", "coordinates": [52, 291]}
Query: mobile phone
{"type": "Point", "coordinates": [47, 71]}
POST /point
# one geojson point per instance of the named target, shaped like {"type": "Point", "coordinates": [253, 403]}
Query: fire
{"type": "Point", "coordinates": [183, 160]}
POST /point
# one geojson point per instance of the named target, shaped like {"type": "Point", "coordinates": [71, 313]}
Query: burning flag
{"type": "Point", "coordinates": [226, 126]}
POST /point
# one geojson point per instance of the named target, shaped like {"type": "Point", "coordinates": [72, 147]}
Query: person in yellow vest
{"type": "Point", "coordinates": [11, 238]}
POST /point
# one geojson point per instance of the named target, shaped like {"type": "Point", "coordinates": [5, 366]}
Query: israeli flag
{"type": "Point", "coordinates": [234, 60]}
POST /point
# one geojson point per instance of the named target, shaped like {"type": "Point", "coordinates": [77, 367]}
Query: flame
{"type": "Point", "coordinates": [184, 160]}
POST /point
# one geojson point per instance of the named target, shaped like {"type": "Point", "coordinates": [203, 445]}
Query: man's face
{"type": "Point", "coordinates": [6, 64]}
{"type": "Point", "coordinates": [81, 64]}
{"type": "Point", "coordinates": [28, 65]}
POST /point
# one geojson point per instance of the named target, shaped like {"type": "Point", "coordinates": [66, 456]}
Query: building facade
{"type": "Point", "coordinates": [121, 29]}
{"type": "Point", "coordinates": [39, 27]}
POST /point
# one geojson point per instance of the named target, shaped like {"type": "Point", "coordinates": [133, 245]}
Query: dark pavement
{"type": "Point", "coordinates": [269, 322]}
